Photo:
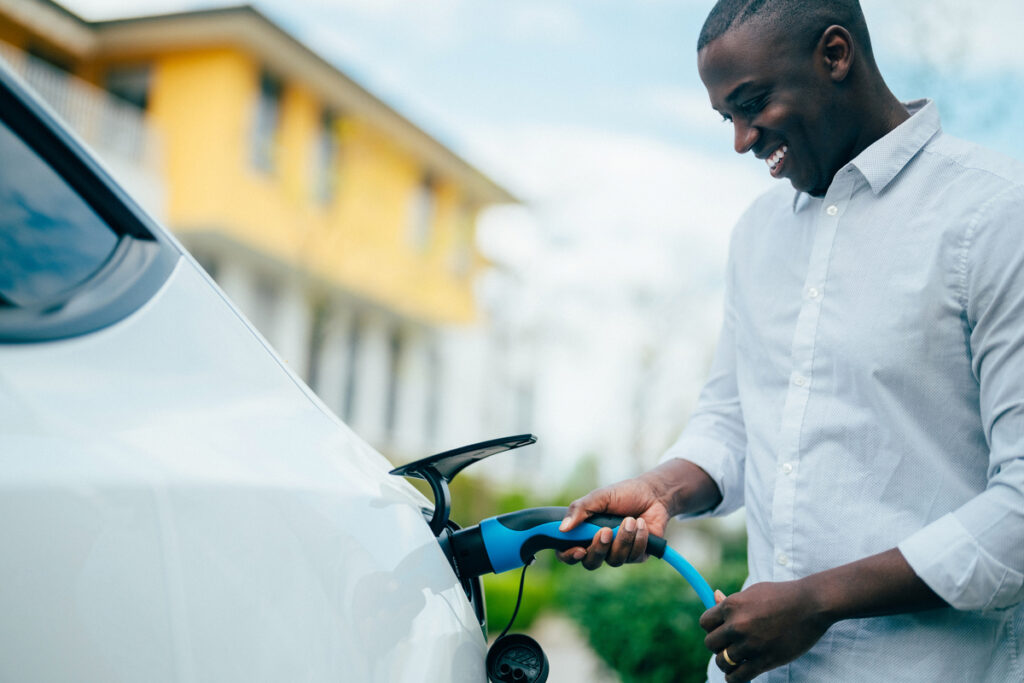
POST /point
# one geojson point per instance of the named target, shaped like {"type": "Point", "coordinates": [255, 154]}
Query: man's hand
{"type": "Point", "coordinates": [646, 502]}
{"type": "Point", "coordinates": [765, 626]}
{"type": "Point", "coordinates": [645, 513]}
{"type": "Point", "coordinates": [771, 624]}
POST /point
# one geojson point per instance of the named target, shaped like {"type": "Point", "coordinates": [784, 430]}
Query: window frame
{"type": "Point", "coordinates": [138, 266]}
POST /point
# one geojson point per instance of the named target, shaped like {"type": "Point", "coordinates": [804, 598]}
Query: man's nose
{"type": "Point", "coordinates": [745, 136]}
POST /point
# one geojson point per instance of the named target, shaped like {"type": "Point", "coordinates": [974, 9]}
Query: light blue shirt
{"type": "Point", "coordinates": [868, 393]}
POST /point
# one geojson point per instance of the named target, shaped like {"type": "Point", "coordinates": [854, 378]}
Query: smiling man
{"type": "Point", "coordinates": [866, 402]}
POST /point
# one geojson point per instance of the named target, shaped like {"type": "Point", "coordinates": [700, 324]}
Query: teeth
{"type": "Point", "coordinates": [774, 159]}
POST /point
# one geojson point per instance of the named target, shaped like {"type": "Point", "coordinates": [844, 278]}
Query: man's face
{"type": "Point", "coordinates": [782, 104]}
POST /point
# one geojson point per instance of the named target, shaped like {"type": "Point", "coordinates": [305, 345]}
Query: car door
{"type": "Point", "coordinates": [175, 504]}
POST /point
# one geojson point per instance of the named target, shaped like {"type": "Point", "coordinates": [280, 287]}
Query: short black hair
{"type": "Point", "coordinates": [804, 20]}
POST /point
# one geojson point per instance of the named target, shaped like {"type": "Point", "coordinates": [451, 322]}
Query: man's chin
{"type": "Point", "coordinates": [808, 188]}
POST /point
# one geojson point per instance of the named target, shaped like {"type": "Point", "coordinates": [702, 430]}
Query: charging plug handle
{"type": "Point", "coordinates": [511, 540]}
{"type": "Point", "coordinates": [536, 518]}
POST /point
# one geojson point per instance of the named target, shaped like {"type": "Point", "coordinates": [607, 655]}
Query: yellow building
{"type": "Point", "coordinates": [341, 229]}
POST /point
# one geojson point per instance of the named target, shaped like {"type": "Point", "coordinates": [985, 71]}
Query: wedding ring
{"type": "Point", "coordinates": [727, 658]}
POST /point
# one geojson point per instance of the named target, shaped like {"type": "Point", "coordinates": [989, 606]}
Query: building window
{"type": "Point", "coordinates": [264, 131]}
{"type": "Point", "coordinates": [422, 208]}
{"type": "Point", "coordinates": [325, 159]}
{"type": "Point", "coordinates": [130, 83]}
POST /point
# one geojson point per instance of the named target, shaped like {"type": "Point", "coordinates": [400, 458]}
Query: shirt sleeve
{"type": "Point", "coordinates": [715, 437]}
{"type": "Point", "coordinates": [973, 557]}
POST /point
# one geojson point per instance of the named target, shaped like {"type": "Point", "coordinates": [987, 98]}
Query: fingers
{"type": "Point", "coordinates": [629, 544]}
{"type": "Point", "coordinates": [713, 618]}
{"type": "Point", "coordinates": [572, 555]}
{"type": "Point", "coordinates": [638, 552]}
{"type": "Point", "coordinates": [733, 661]}
{"type": "Point", "coordinates": [731, 656]}
{"type": "Point", "coordinates": [598, 549]}
{"type": "Point", "coordinates": [743, 673]}
{"type": "Point", "coordinates": [738, 672]}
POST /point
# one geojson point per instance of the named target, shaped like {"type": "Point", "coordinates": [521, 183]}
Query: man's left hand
{"type": "Point", "coordinates": [765, 626]}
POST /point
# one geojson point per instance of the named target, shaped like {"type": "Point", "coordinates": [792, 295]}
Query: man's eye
{"type": "Point", "coordinates": [755, 105]}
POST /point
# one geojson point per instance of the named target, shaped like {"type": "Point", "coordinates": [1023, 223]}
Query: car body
{"type": "Point", "coordinates": [175, 504]}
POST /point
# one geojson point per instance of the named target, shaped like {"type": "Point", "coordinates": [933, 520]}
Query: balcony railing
{"type": "Point", "coordinates": [115, 129]}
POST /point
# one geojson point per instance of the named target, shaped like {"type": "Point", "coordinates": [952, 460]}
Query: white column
{"type": "Point", "coordinates": [334, 355]}
{"type": "Point", "coordinates": [236, 281]}
{"type": "Point", "coordinates": [372, 380]}
{"type": "Point", "coordinates": [292, 324]}
{"type": "Point", "coordinates": [411, 422]}
{"type": "Point", "coordinates": [463, 380]}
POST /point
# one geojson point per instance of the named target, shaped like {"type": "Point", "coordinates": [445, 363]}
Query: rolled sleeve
{"type": "Point", "coordinates": [973, 557]}
{"type": "Point", "coordinates": [947, 557]}
{"type": "Point", "coordinates": [721, 465]}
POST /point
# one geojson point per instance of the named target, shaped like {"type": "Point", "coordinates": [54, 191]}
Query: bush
{"type": "Point", "coordinates": [643, 619]}
{"type": "Point", "coordinates": [500, 591]}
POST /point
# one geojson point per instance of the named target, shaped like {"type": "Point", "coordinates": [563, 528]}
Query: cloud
{"type": "Point", "coordinates": [542, 21]}
{"type": "Point", "coordinates": [951, 33]}
{"type": "Point", "coordinates": [686, 107]}
{"type": "Point", "coordinates": [612, 209]}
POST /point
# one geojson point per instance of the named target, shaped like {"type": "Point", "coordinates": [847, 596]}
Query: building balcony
{"type": "Point", "coordinates": [116, 130]}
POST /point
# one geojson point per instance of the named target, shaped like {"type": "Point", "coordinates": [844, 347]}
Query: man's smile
{"type": "Point", "coordinates": [776, 159]}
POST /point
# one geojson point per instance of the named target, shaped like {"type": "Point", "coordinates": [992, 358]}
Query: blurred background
{"type": "Point", "coordinates": [458, 220]}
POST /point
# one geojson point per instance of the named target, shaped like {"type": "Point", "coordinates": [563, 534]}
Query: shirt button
{"type": "Point", "coordinates": [800, 381]}
{"type": "Point", "coordinates": [787, 468]}
{"type": "Point", "coordinates": [814, 292]}
{"type": "Point", "coordinates": [782, 559]}
{"type": "Point", "coordinates": [832, 210]}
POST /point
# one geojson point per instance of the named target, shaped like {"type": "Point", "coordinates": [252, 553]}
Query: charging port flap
{"type": "Point", "coordinates": [441, 468]}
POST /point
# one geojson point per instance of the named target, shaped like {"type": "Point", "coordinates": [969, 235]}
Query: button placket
{"type": "Point", "coordinates": [801, 378]}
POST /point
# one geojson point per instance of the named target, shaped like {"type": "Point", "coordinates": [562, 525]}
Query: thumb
{"type": "Point", "coordinates": [576, 513]}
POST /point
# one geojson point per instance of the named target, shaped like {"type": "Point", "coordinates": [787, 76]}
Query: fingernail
{"type": "Point", "coordinates": [629, 524]}
{"type": "Point", "coordinates": [579, 554]}
{"type": "Point", "coordinates": [564, 525]}
{"type": "Point", "coordinates": [641, 524]}
{"type": "Point", "coordinates": [719, 596]}
{"type": "Point", "coordinates": [606, 535]}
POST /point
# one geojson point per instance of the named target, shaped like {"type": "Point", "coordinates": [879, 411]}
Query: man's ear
{"type": "Point", "coordinates": [836, 49]}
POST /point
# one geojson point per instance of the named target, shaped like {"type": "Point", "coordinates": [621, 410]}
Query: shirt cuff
{"type": "Point", "coordinates": [723, 468]}
{"type": "Point", "coordinates": [947, 558]}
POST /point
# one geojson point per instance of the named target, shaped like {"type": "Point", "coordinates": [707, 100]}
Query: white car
{"type": "Point", "coordinates": [175, 504]}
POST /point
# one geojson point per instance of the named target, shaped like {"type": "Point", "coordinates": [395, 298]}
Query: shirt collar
{"type": "Point", "coordinates": [883, 160]}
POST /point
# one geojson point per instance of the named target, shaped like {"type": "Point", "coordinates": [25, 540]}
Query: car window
{"type": "Point", "coordinates": [51, 241]}
{"type": "Point", "coordinates": [76, 253]}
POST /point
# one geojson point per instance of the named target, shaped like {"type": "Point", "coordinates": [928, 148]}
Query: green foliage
{"type": "Point", "coordinates": [643, 619]}
{"type": "Point", "coordinates": [500, 591]}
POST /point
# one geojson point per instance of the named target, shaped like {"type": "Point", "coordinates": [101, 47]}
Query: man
{"type": "Point", "coordinates": [866, 402]}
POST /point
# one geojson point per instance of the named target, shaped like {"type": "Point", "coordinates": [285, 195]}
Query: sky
{"type": "Point", "coordinates": [591, 111]}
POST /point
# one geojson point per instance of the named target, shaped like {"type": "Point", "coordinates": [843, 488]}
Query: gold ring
{"type": "Point", "coordinates": [727, 658]}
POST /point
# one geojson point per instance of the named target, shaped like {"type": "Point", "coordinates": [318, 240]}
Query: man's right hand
{"type": "Point", "coordinates": [646, 503]}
